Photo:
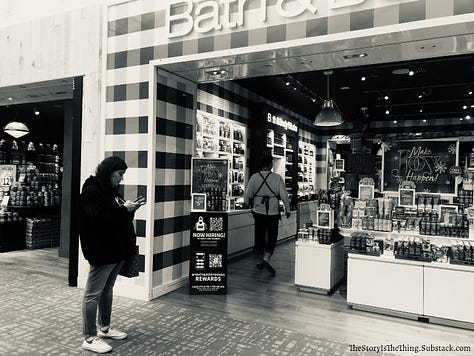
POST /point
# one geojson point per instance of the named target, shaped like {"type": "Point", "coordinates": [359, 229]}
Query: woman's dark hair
{"type": "Point", "coordinates": [267, 160]}
{"type": "Point", "coordinates": [109, 165]}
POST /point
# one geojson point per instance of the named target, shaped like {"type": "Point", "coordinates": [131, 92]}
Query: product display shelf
{"type": "Point", "coordinates": [282, 148]}
{"type": "Point", "coordinates": [407, 233]}
{"type": "Point", "coordinates": [306, 168]}
{"type": "Point", "coordinates": [218, 137]}
{"type": "Point", "coordinates": [411, 289]}
{"type": "Point", "coordinates": [319, 268]}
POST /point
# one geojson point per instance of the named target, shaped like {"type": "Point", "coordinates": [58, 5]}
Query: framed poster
{"type": "Point", "coordinates": [366, 192]}
{"type": "Point", "coordinates": [199, 202]}
{"type": "Point", "coordinates": [339, 165]}
{"type": "Point", "coordinates": [209, 174]}
{"type": "Point", "coordinates": [445, 211]}
{"type": "Point", "coordinates": [424, 162]}
{"type": "Point", "coordinates": [406, 197]}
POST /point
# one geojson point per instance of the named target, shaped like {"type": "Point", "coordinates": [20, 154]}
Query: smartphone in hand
{"type": "Point", "coordinates": [140, 200]}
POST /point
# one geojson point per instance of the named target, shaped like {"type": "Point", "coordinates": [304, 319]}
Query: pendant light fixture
{"type": "Point", "coordinates": [16, 129]}
{"type": "Point", "coordinates": [329, 115]}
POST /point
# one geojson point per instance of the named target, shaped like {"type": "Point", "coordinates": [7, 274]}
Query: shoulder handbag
{"type": "Point", "coordinates": [130, 266]}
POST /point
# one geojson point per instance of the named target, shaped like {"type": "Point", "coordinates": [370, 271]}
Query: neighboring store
{"type": "Point", "coordinates": [50, 97]}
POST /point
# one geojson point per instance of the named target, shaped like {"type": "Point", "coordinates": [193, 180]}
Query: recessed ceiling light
{"type": "Point", "coordinates": [394, 121]}
{"type": "Point", "coordinates": [386, 97]}
{"type": "Point", "coordinates": [424, 120]}
{"type": "Point", "coordinates": [421, 110]}
{"type": "Point", "coordinates": [287, 83]}
{"type": "Point", "coordinates": [216, 73]}
{"type": "Point", "coordinates": [464, 107]}
{"type": "Point", "coordinates": [363, 78]}
{"type": "Point", "coordinates": [469, 92]}
{"type": "Point", "coordinates": [411, 73]}
{"type": "Point", "coordinates": [467, 117]}
{"type": "Point", "coordinates": [10, 98]}
{"type": "Point", "coordinates": [387, 112]}
{"type": "Point", "coordinates": [355, 55]}
{"type": "Point", "coordinates": [472, 105]}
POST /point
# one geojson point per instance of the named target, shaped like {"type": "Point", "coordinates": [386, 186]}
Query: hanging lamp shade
{"type": "Point", "coordinates": [16, 129]}
{"type": "Point", "coordinates": [329, 115]}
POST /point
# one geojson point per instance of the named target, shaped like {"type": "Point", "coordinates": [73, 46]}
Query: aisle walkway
{"type": "Point", "coordinates": [41, 315]}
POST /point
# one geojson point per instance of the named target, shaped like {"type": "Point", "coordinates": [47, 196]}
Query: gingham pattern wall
{"type": "Point", "coordinates": [175, 112]}
{"type": "Point", "coordinates": [137, 29]}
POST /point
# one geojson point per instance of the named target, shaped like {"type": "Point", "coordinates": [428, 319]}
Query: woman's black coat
{"type": "Point", "coordinates": [106, 227]}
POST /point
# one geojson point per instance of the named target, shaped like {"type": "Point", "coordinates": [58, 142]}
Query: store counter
{"type": "Point", "coordinates": [241, 231]}
{"type": "Point", "coordinates": [440, 293]}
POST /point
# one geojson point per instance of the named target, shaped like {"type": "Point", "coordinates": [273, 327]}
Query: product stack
{"type": "Point", "coordinates": [42, 233]}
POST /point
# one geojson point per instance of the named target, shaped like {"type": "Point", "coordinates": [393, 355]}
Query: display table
{"type": "Point", "coordinates": [318, 268]}
{"type": "Point", "coordinates": [440, 293]}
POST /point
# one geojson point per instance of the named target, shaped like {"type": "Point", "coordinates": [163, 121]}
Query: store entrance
{"type": "Point", "coordinates": [39, 158]}
{"type": "Point", "coordinates": [234, 84]}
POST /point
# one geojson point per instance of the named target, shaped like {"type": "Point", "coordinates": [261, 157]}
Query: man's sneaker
{"type": "Point", "coordinates": [112, 334]}
{"type": "Point", "coordinates": [97, 345]}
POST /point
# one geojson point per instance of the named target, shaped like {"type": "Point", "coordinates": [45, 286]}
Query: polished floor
{"type": "Point", "coordinates": [260, 315]}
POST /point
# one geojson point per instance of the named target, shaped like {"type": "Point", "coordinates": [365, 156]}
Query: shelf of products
{"type": "Point", "coordinates": [306, 170]}
{"type": "Point", "coordinates": [30, 189]}
{"type": "Point", "coordinates": [217, 137]}
{"type": "Point", "coordinates": [282, 147]}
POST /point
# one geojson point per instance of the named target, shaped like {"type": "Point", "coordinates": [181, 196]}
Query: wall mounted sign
{"type": "Point", "coordinates": [185, 16]}
{"type": "Point", "coordinates": [424, 162]}
{"type": "Point", "coordinates": [279, 121]}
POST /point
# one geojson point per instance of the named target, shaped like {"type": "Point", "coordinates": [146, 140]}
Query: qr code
{"type": "Point", "coordinates": [215, 261]}
{"type": "Point", "coordinates": [216, 224]}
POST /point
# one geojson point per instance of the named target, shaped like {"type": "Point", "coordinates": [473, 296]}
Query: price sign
{"type": "Point", "coordinates": [7, 175]}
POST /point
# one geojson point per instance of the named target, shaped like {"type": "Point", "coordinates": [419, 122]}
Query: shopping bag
{"type": "Point", "coordinates": [130, 266]}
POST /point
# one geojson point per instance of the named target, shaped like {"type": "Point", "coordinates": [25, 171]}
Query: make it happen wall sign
{"type": "Point", "coordinates": [424, 162]}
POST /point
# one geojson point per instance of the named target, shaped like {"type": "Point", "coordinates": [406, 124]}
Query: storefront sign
{"type": "Point", "coordinates": [208, 253]}
{"type": "Point", "coordinates": [277, 120]}
{"type": "Point", "coordinates": [7, 175]}
{"type": "Point", "coordinates": [201, 16]}
{"type": "Point", "coordinates": [425, 163]}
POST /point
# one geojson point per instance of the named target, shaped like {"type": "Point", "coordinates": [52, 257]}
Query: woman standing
{"type": "Point", "coordinates": [107, 238]}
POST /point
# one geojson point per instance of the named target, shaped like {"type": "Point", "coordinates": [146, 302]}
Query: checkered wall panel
{"type": "Point", "coordinates": [135, 37]}
{"type": "Point", "coordinates": [175, 111]}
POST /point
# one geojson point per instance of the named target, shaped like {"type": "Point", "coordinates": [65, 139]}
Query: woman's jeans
{"type": "Point", "coordinates": [99, 295]}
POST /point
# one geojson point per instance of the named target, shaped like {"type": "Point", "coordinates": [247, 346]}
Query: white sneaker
{"type": "Point", "coordinates": [97, 345]}
{"type": "Point", "coordinates": [112, 334]}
